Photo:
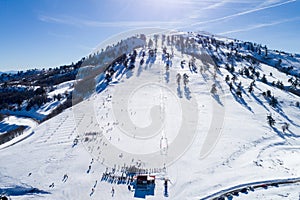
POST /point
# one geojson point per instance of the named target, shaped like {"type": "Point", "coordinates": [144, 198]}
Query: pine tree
{"type": "Point", "coordinates": [213, 89]}
{"type": "Point", "coordinates": [227, 78]}
{"type": "Point", "coordinates": [150, 43]}
{"type": "Point", "coordinates": [264, 79]}
{"type": "Point", "coordinates": [273, 101]}
{"type": "Point", "coordinates": [246, 71]}
{"type": "Point", "coordinates": [250, 90]}
{"type": "Point", "coordinates": [270, 120]}
{"type": "Point", "coordinates": [268, 93]}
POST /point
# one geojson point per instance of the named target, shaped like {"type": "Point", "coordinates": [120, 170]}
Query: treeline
{"type": "Point", "coordinates": [40, 76]}
{"type": "Point", "coordinates": [1, 117]}
{"type": "Point", "coordinates": [50, 80]}
{"type": "Point", "coordinates": [31, 86]}
{"type": "Point", "coordinates": [9, 97]}
{"type": "Point", "coordinates": [12, 134]}
{"type": "Point", "coordinates": [14, 96]}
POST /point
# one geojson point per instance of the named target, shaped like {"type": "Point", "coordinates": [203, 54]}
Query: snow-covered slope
{"type": "Point", "coordinates": [204, 142]}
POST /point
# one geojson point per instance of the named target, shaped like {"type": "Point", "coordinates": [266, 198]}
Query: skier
{"type": "Point", "coordinates": [93, 190]}
{"type": "Point", "coordinates": [185, 79]}
{"type": "Point", "coordinates": [75, 142]}
{"type": "Point", "coordinates": [182, 63]}
{"type": "Point", "coordinates": [88, 171]}
{"type": "Point", "coordinates": [65, 178]}
{"type": "Point", "coordinates": [112, 191]}
{"type": "Point", "coordinates": [192, 66]}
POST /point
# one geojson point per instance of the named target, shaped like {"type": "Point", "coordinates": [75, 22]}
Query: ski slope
{"type": "Point", "coordinates": [227, 142]}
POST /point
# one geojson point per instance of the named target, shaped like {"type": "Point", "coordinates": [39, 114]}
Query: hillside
{"type": "Point", "coordinates": [213, 117]}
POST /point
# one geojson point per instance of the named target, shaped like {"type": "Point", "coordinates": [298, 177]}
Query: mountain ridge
{"type": "Point", "coordinates": [244, 84]}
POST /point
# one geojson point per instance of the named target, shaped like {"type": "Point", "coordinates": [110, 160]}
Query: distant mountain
{"type": "Point", "coordinates": [9, 72]}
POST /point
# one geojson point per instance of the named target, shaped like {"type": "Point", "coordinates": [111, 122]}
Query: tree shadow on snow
{"type": "Point", "coordinates": [260, 102]}
{"type": "Point", "coordinates": [279, 133]}
{"type": "Point", "coordinates": [129, 74]}
{"type": "Point", "coordinates": [120, 71]}
{"type": "Point", "coordinates": [151, 60]}
{"type": "Point", "coordinates": [187, 92]}
{"type": "Point", "coordinates": [205, 76]}
{"type": "Point", "coordinates": [102, 86]}
{"type": "Point", "coordinates": [281, 112]}
{"type": "Point", "coordinates": [21, 190]}
{"type": "Point", "coordinates": [241, 101]}
{"type": "Point", "coordinates": [217, 98]}
{"type": "Point", "coordinates": [167, 76]}
{"type": "Point", "coordinates": [139, 71]}
{"type": "Point", "coordinates": [179, 92]}
{"type": "Point", "coordinates": [291, 134]}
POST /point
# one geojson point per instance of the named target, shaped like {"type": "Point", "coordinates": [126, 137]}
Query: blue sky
{"type": "Point", "coordinates": [50, 33]}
